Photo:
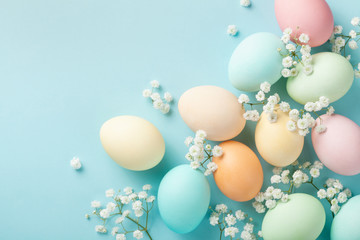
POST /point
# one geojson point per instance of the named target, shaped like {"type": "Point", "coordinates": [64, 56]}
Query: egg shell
{"type": "Point", "coordinates": [256, 60]}
{"type": "Point", "coordinates": [312, 17]}
{"type": "Point", "coordinates": [347, 221]}
{"type": "Point", "coordinates": [275, 143]}
{"type": "Point", "coordinates": [214, 110]}
{"type": "Point", "coordinates": [132, 142]}
{"type": "Point", "coordinates": [339, 146]}
{"type": "Point", "coordinates": [332, 77]}
{"type": "Point", "coordinates": [239, 175]}
{"type": "Point", "coordinates": [183, 198]}
{"type": "Point", "coordinates": [301, 218]}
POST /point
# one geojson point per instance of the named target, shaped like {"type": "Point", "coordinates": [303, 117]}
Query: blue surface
{"type": "Point", "coordinates": [67, 66]}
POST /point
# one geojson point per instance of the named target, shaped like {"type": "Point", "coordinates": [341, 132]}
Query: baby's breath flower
{"type": "Point", "coordinates": [245, 3]}
{"type": "Point", "coordinates": [110, 193]}
{"type": "Point", "coordinates": [355, 21]}
{"type": "Point", "coordinates": [243, 98]}
{"type": "Point", "coordinates": [275, 179]}
{"type": "Point", "coordinates": [232, 30]}
{"type": "Point", "coordinates": [240, 215]}
{"type": "Point", "coordinates": [100, 229]}
{"type": "Point", "coordinates": [214, 219]}
{"type": "Point", "coordinates": [231, 231]}
{"type": "Point", "coordinates": [320, 128]}
{"type": "Point", "coordinates": [314, 172]}
{"type": "Point", "coordinates": [304, 38]}
{"type": "Point", "coordinates": [155, 84]}
{"type": "Point", "coordinates": [221, 208]}
{"type": "Point", "coordinates": [338, 29]}
{"type": "Point", "coordinates": [138, 234]}
{"type": "Point", "coordinates": [265, 87]}
{"type": "Point", "coordinates": [230, 220]}
{"type": "Point", "coordinates": [146, 93]}
{"type": "Point", "coordinates": [120, 236]}
{"type": "Point", "coordinates": [260, 96]}
{"type": "Point", "coordinates": [75, 163]}
{"type": "Point", "coordinates": [95, 204]}
{"type": "Point", "coordinates": [270, 203]}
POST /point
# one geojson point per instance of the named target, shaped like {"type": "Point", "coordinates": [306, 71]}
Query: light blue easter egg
{"type": "Point", "coordinates": [332, 77]}
{"type": "Point", "coordinates": [256, 60]}
{"type": "Point", "coordinates": [183, 198]}
{"type": "Point", "coordinates": [346, 224]}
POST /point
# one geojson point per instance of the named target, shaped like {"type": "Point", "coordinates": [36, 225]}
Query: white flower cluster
{"type": "Point", "coordinates": [271, 104]}
{"type": "Point", "coordinates": [200, 152]}
{"type": "Point", "coordinates": [245, 3]}
{"type": "Point", "coordinates": [224, 218]}
{"type": "Point", "coordinates": [75, 163]}
{"type": "Point", "coordinates": [334, 193]}
{"type": "Point", "coordinates": [291, 59]}
{"type": "Point", "coordinates": [303, 121]}
{"type": "Point", "coordinates": [339, 40]}
{"type": "Point", "coordinates": [269, 199]}
{"type": "Point", "coordinates": [141, 204]}
{"type": "Point", "coordinates": [232, 30]}
{"type": "Point", "coordinates": [158, 103]}
{"type": "Point", "coordinates": [295, 178]}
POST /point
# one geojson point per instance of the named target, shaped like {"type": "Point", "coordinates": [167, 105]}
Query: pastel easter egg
{"type": "Point", "coordinates": [338, 147]}
{"type": "Point", "coordinates": [183, 198]}
{"type": "Point", "coordinates": [132, 142]}
{"type": "Point", "coordinates": [347, 221]}
{"type": "Point", "coordinates": [256, 60]}
{"type": "Point", "coordinates": [301, 218]}
{"type": "Point", "coordinates": [214, 110]}
{"type": "Point", "coordinates": [312, 17]}
{"type": "Point", "coordinates": [332, 77]}
{"type": "Point", "coordinates": [275, 143]}
{"type": "Point", "coordinates": [239, 175]}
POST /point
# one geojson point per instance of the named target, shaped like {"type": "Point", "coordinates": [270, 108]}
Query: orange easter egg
{"type": "Point", "coordinates": [239, 175]}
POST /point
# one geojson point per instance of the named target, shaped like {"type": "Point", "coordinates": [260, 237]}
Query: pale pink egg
{"type": "Point", "coordinates": [312, 17]}
{"type": "Point", "coordinates": [339, 146]}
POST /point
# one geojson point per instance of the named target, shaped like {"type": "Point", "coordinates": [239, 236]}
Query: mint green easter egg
{"type": "Point", "coordinates": [346, 224]}
{"type": "Point", "coordinates": [183, 198]}
{"type": "Point", "coordinates": [332, 77]}
{"type": "Point", "coordinates": [301, 218]}
{"type": "Point", "coordinates": [256, 60]}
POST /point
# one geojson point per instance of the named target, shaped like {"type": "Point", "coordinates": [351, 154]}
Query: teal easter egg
{"type": "Point", "coordinates": [301, 218]}
{"type": "Point", "coordinates": [346, 224]}
{"type": "Point", "coordinates": [332, 77]}
{"type": "Point", "coordinates": [183, 198]}
{"type": "Point", "coordinates": [256, 60]}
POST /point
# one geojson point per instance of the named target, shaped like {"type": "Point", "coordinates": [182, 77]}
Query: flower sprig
{"type": "Point", "coordinates": [302, 120]}
{"type": "Point", "coordinates": [297, 52]}
{"type": "Point", "coordinates": [270, 104]}
{"type": "Point", "coordinates": [201, 153]}
{"type": "Point", "coordinates": [141, 205]}
{"type": "Point", "coordinates": [226, 221]}
{"type": "Point", "coordinates": [295, 176]}
{"type": "Point", "coordinates": [162, 104]}
{"type": "Point", "coordinates": [341, 40]}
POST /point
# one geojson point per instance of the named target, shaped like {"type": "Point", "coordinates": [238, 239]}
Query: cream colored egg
{"type": "Point", "coordinates": [275, 143]}
{"type": "Point", "coordinates": [132, 142]}
{"type": "Point", "coordinates": [214, 110]}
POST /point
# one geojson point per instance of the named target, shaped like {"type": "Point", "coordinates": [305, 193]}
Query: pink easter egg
{"type": "Point", "coordinates": [339, 146]}
{"type": "Point", "coordinates": [312, 17]}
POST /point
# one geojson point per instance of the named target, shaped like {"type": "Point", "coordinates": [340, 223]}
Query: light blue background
{"type": "Point", "coordinates": [66, 66]}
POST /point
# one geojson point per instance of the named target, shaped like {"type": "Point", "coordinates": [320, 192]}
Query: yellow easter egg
{"type": "Point", "coordinates": [275, 143]}
{"type": "Point", "coordinates": [132, 142]}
